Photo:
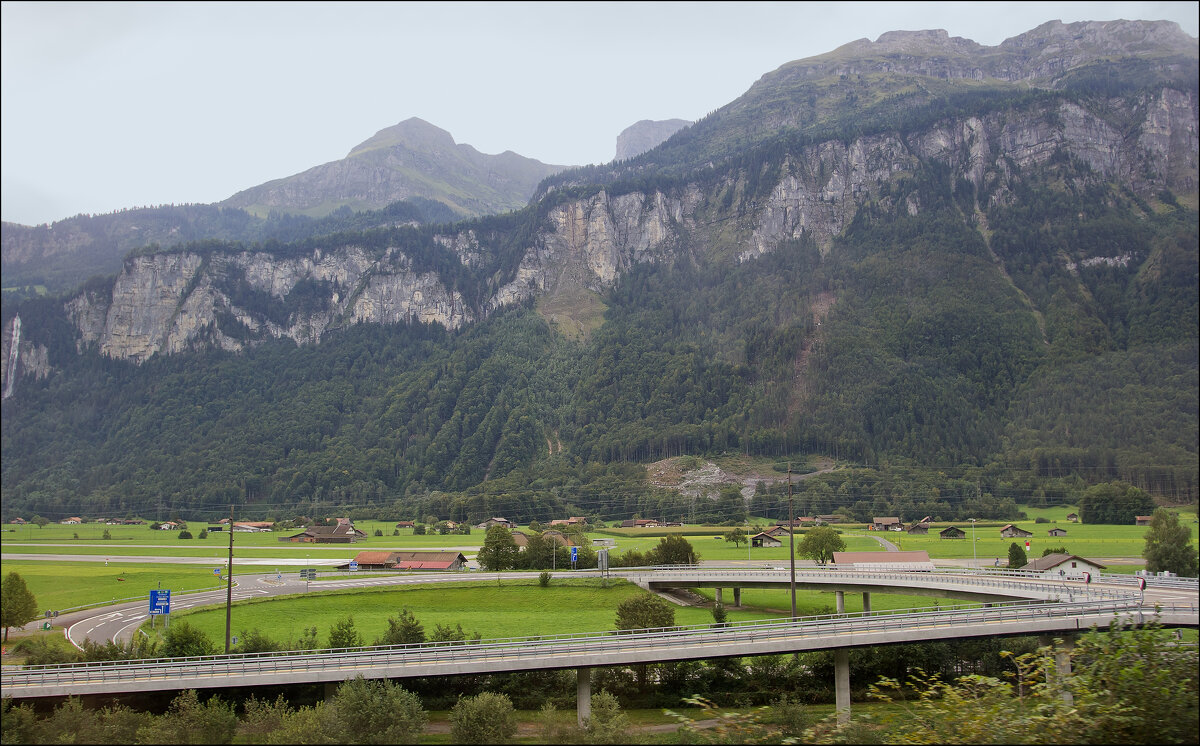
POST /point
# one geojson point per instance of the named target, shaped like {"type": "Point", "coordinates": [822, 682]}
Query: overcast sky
{"type": "Point", "coordinates": [114, 105]}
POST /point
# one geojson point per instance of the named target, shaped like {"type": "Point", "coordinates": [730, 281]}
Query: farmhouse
{"type": "Point", "coordinates": [343, 533]}
{"type": "Point", "coordinates": [764, 539]}
{"type": "Point", "coordinates": [777, 531]}
{"type": "Point", "coordinates": [496, 522]}
{"type": "Point", "coordinates": [405, 524]}
{"type": "Point", "coordinates": [1011, 531]}
{"type": "Point", "coordinates": [887, 524]}
{"type": "Point", "coordinates": [640, 523]}
{"type": "Point", "coordinates": [253, 526]}
{"type": "Point", "coordinates": [1057, 532]}
{"type": "Point", "coordinates": [883, 560]}
{"type": "Point", "coordinates": [428, 560]}
{"type": "Point", "coordinates": [1072, 517]}
{"type": "Point", "coordinates": [71, 521]}
{"type": "Point", "coordinates": [1067, 566]}
{"type": "Point", "coordinates": [952, 533]}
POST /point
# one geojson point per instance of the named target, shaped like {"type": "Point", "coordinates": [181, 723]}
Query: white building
{"type": "Point", "coordinates": [1065, 566]}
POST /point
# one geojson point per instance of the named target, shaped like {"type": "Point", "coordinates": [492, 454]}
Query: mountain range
{"type": "Point", "coordinates": [971, 271]}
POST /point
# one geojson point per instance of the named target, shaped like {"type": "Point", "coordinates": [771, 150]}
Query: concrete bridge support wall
{"type": "Point", "coordinates": [841, 685]}
{"type": "Point", "coordinates": [737, 596]}
{"type": "Point", "coordinates": [841, 601]}
{"type": "Point", "coordinates": [718, 595]}
{"type": "Point", "coordinates": [866, 603]}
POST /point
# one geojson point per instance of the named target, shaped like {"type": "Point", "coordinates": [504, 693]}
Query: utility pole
{"type": "Point", "coordinates": [229, 583]}
{"type": "Point", "coordinates": [792, 537]}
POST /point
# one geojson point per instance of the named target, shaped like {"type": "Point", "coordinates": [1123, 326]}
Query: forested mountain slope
{"type": "Point", "coordinates": [988, 281]}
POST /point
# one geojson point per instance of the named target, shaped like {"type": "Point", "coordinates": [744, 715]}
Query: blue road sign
{"type": "Point", "coordinates": [574, 553]}
{"type": "Point", "coordinates": [353, 565]}
{"type": "Point", "coordinates": [160, 602]}
{"type": "Point", "coordinates": [216, 571]}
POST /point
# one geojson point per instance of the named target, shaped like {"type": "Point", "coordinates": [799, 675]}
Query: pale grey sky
{"type": "Point", "coordinates": [107, 105]}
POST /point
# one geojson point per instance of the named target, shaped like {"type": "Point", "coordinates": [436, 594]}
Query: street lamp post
{"type": "Point", "coordinates": [974, 550]}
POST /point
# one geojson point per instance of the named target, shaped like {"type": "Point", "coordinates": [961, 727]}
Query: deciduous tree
{"type": "Point", "coordinates": [1169, 545]}
{"type": "Point", "coordinates": [18, 606]}
{"type": "Point", "coordinates": [820, 543]}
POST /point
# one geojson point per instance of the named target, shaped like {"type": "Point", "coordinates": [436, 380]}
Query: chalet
{"type": "Point", "coordinates": [823, 519]}
{"type": "Point", "coordinates": [405, 524]}
{"type": "Point", "coordinates": [911, 561]}
{"type": "Point", "coordinates": [764, 539]}
{"type": "Point", "coordinates": [575, 520]}
{"type": "Point", "coordinates": [168, 526]}
{"type": "Point", "coordinates": [1057, 532]}
{"type": "Point", "coordinates": [253, 526]}
{"type": "Point", "coordinates": [520, 539]}
{"type": "Point", "coordinates": [887, 524]}
{"type": "Point", "coordinates": [343, 533]}
{"type": "Point", "coordinates": [376, 560]}
{"type": "Point", "coordinates": [1010, 531]}
{"type": "Point", "coordinates": [918, 528]}
{"type": "Point", "coordinates": [1142, 520]}
{"type": "Point", "coordinates": [18, 521]}
{"type": "Point", "coordinates": [952, 533]}
{"type": "Point", "coordinates": [427, 560]}
{"type": "Point", "coordinates": [777, 531]}
{"type": "Point", "coordinates": [640, 523]}
{"type": "Point", "coordinates": [559, 538]}
{"type": "Point", "coordinates": [71, 521]}
{"type": "Point", "coordinates": [1073, 517]}
{"type": "Point", "coordinates": [1067, 566]}
{"type": "Point", "coordinates": [496, 522]}
{"type": "Point", "coordinates": [449, 561]}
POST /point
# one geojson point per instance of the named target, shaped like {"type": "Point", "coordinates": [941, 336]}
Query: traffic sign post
{"type": "Point", "coordinates": [574, 556]}
{"type": "Point", "coordinates": [160, 603]}
{"type": "Point", "coordinates": [353, 566]}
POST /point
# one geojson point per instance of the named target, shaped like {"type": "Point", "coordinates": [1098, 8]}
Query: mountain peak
{"type": "Point", "coordinates": [413, 133]}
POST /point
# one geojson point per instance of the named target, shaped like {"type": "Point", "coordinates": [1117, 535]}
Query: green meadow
{"type": "Point", "coordinates": [512, 608]}
{"type": "Point", "coordinates": [85, 583]}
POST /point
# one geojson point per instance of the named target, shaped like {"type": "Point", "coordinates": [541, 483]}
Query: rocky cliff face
{"type": "Point", "coordinates": [175, 301]}
{"type": "Point", "coordinates": [166, 303]}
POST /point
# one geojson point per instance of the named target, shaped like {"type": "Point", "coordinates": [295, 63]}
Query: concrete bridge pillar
{"type": "Point", "coordinates": [331, 688]}
{"type": "Point", "coordinates": [583, 695]}
{"type": "Point", "coordinates": [841, 601]}
{"type": "Point", "coordinates": [1062, 660]}
{"type": "Point", "coordinates": [866, 603]}
{"type": "Point", "coordinates": [737, 596]}
{"type": "Point", "coordinates": [841, 685]}
{"type": "Point", "coordinates": [718, 594]}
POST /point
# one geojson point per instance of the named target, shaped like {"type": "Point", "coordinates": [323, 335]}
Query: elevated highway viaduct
{"type": "Point", "coordinates": [1005, 606]}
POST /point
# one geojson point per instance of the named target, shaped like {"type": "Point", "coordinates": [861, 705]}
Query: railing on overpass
{"type": "Point", "coordinates": [523, 653]}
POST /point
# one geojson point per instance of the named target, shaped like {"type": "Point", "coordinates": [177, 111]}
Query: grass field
{"type": "Point", "coordinates": [514, 608]}
{"type": "Point", "coordinates": [86, 582]}
{"type": "Point", "coordinates": [92, 583]}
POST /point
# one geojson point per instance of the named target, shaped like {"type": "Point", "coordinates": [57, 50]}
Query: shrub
{"type": "Point", "coordinates": [484, 718]}
{"type": "Point", "coordinates": [544, 579]}
{"type": "Point", "coordinates": [185, 534]}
